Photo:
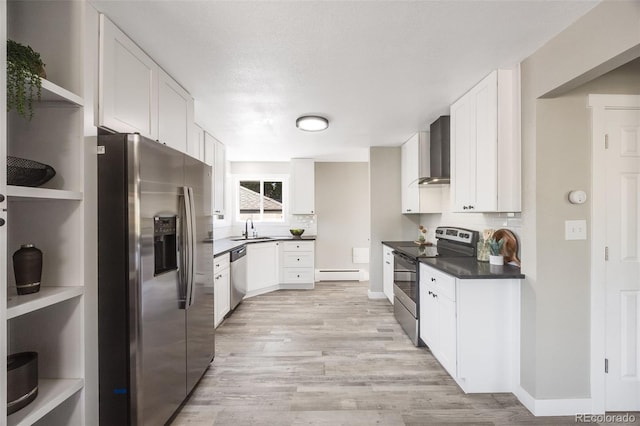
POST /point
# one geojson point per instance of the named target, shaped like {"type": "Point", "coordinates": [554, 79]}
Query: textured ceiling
{"type": "Point", "coordinates": [379, 70]}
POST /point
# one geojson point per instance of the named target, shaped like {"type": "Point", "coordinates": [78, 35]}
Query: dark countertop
{"type": "Point", "coordinates": [464, 267]}
{"type": "Point", "coordinates": [469, 268]}
{"type": "Point", "coordinates": [225, 245]}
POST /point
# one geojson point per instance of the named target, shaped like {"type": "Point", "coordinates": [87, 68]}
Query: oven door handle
{"type": "Point", "coordinates": [405, 257]}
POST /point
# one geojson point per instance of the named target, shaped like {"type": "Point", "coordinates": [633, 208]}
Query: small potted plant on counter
{"type": "Point", "coordinates": [495, 248]}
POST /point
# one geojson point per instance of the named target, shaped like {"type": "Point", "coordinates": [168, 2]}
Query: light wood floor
{"type": "Point", "coordinates": [330, 356]}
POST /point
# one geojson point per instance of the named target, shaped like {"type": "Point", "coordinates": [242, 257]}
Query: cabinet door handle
{"type": "Point", "coordinates": [430, 293]}
{"type": "Point", "coordinates": [433, 279]}
{"type": "Point", "coordinates": [408, 210]}
{"type": "Point", "coordinates": [434, 295]}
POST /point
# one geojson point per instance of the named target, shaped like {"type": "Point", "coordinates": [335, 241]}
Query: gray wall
{"type": "Point", "coordinates": [387, 222]}
{"type": "Point", "coordinates": [563, 123]}
{"type": "Point", "coordinates": [555, 144]}
{"type": "Point", "coordinates": [342, 208]}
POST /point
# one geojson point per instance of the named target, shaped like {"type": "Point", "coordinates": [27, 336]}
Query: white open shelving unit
{"type": "Point", "coordinates": [52, 321]}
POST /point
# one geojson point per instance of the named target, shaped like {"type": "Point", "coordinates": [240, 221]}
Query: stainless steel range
{"type": "Point", "coordinates": [451, 242]}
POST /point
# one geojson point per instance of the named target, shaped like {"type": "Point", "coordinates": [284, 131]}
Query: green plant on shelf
{"type": "Point", "coordinates": [25, 71]}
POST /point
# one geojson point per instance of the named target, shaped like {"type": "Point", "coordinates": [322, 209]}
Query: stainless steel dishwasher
{"type": "Point", "coordinates": [238, 275]}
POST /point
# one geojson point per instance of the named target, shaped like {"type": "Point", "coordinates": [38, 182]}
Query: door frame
{"type": "Point", "coordinates": [599, 104]}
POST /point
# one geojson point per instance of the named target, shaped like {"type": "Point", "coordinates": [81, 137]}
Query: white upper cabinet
{"type": "Point", "coordinates": [417, 198]}
{"type": "Point", "coordinates": [209, 149]}
{"type": "Point", "coordinates": [485, 146]}
{"type": "Point", "coordinates": [219, 171]}
{"type": "Point", "coordinates": [195, 143]}
{"type": "Point", "coordinates": [135, 95]}
{"type": "Point", "coordinates": [303, 186]}
{"type": "Point", "coordinates": [410, 191]}
{"type": "Point", "coordinates": [214, 155]}
{"type": "Point", "coordinates": [175, 113]}
{"type": "Point", "coordinates": [128, 84]}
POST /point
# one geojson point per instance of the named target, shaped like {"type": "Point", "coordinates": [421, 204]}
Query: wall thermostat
{"type": "Point", "coordinates": [577, 197]}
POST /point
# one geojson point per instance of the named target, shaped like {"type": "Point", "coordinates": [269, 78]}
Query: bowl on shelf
{"type": "Point", "coordinates": [22, 380]}
{"type": "Point", "coordinates": [296, 232]}
{"type": "Point", "coordinates": [24, 172]}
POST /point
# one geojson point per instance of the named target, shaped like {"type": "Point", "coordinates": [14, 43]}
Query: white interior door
{"type": "Point", "coordinates": [623, 265]}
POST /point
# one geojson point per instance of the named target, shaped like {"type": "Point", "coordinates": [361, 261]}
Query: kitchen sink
{"type": "Point", "coordinates": [250, 238]}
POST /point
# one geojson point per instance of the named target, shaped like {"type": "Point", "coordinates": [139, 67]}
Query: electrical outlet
{"type": "Point", "coordinates": [575, 229]}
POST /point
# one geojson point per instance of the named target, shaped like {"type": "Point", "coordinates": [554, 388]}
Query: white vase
{"type": "Point", "coordinates": [496, 260]}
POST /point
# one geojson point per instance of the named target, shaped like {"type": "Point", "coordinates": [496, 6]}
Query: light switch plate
{"type": "Point", "coordinates": [575, 229]}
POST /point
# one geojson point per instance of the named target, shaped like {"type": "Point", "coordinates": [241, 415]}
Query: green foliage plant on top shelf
{"type": "Point", "coordinates": [25, 71]}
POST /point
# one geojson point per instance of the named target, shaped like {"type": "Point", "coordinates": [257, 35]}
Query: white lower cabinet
{"type": "Point", "coordinates": [438, 316]}
{"type": "Point", "coordinates": [387, 272]}
{"type": "Point", "coordinates": [262, 267]}
{"type": "Point", "coordinates": [472, 327]}
{"type": "Point", "coordinates": [298, 263]}
{"type": "Point", "coordinates": [222, 287]}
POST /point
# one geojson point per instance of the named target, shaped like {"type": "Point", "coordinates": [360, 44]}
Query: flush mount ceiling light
{"type": "Point", "coordinates": [312, 123]}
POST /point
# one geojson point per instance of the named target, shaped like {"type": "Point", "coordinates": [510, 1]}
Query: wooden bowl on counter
{"type": "Point", "coordinates": [510, 247]}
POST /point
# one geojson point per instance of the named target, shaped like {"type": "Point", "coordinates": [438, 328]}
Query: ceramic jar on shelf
{"type": "Point", "coordinates": [27, 267]}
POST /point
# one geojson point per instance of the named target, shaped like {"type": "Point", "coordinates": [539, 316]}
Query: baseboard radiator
{"type": "Point", "coordinates": [341, 275]}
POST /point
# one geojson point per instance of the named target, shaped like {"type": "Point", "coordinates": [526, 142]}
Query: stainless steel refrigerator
{"type": "Point", "coordinates": [155, 278]}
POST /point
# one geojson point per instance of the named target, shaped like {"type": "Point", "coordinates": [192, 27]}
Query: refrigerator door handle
{"type": "Point", "coordinates": [190, 244]}
{"type": "Point", "coordinates": [184, 227]}
{"type": "Point", "coordinates": [181, 260]}
{"type": "Point", "coordinates": [193, 246]}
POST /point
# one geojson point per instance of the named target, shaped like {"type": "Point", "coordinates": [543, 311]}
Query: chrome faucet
{"type": "Point", "coordinates": [246, 228]}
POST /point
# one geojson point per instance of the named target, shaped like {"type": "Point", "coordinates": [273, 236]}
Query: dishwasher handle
{"type": "Point", "coordinates": [238, 253]}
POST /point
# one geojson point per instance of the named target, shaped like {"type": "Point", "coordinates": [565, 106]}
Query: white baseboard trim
{"type": "Point", "coordinates": [554, 407]}
{"type": "Point", "coordinates": [376, 295]}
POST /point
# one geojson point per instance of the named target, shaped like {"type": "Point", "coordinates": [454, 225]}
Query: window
{"type": "Point", "coordinates": [261, 199]}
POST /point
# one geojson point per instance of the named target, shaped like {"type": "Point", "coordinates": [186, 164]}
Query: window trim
{"type": "Point", "coordinates": [262, 178]}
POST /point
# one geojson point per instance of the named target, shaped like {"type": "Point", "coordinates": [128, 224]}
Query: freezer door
{"type": "Point", "coordinates": [200, 321]}
{"type": "Point", "coordinates": [161, 301]}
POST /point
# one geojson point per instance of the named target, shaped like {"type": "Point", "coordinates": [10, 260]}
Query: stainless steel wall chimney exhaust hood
{"type": "Point", "coordinates": [439, 152]}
